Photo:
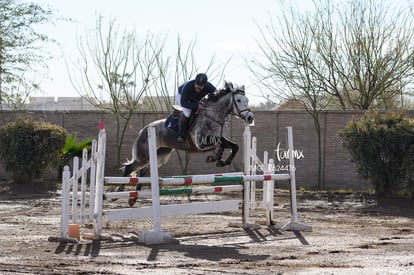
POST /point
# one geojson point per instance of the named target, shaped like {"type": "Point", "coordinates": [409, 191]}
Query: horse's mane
{"type": "Point", "coordinates": [229, 87]}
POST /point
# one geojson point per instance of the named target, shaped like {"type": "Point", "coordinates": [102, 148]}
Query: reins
{"type": "Point", "coordinates": [222, 123]}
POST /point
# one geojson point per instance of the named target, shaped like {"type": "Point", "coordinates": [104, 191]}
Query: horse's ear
{"type": "Point", "coordinates": [242, 88]}
{"type": "Point", "coordinates": [228, 85]}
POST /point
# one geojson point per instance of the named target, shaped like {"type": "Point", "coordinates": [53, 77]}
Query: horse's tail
{"type": "Point", "coordinates": [129, 167]}
{"type": "Point", "coordinates": [126, 163]}
{"type": "Point", "coordinates": [129, 164]}
{"type": "Point", "coordinates": [134, 156]}
{"type": "Point", "coordinates": [134, 152]}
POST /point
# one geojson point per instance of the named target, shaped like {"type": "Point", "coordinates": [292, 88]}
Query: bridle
{"type": "Point", "coordinates": [239, 112]}
{"type": "Point", "coordinates": [236, 106]}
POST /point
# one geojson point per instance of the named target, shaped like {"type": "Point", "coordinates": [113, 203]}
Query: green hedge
{"type": "Point", "coordinates": [29, 148]}
{"type": "Point", "coordinates": [382, 147]}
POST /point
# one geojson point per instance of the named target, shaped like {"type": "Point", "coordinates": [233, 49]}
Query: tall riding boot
{"type": "Point", "coordinates": [182, 127]}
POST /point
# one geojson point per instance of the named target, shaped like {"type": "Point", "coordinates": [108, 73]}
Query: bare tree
{"type": "Point", "coordinates": [122, 74]}
{"type": "Point", "coordinates": [354, 55]}
{"type": "Point", "coordinates": [289, 69]}
{"type": "Point", "coordinates": [377, 54]}
{"type": "Point", "coordinates": [359, 52]}
{"type": "Point", "coordinates": [21, 50]}
{"type": "Point", "coordinates": [117, 69]}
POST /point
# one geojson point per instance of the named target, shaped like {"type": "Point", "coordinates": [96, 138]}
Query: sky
{"type": "Point", "coordinates": [224, 28]}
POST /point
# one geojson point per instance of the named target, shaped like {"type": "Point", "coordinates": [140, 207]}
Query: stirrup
{"type": "Point", "coordinates": [180, 139]}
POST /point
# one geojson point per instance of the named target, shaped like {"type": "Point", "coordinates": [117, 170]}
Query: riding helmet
{"type": "Point", "coordinates": [201, 79]}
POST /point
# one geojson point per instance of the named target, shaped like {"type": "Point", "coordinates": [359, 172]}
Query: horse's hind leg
{"type": "Point", "coordinates": [128, 170]}
{"type": "Point", "coordinates": [142, 173]}
{"type": "Point", "coordinates": [163, 154]}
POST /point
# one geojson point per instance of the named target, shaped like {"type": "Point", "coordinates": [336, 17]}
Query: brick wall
{"type": "Point", "coordinates": [269, 129]}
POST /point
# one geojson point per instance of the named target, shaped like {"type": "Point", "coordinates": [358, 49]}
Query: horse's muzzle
{"type": "Point", "coordinates": [248, 116]}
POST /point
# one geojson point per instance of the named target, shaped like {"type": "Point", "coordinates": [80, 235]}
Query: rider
{"type": "Point", "coordinates": [189, 96]}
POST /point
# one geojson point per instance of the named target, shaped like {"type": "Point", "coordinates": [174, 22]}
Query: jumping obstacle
{"type": "Point", "coordinates": [180, 191]}
{"type": "Point", "coordinates": [268, 166]}
{"type": "Point", "coordinates": [96, 167]}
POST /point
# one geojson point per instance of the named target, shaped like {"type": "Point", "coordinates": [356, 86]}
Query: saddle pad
{"type": "Point", "coordinates": [172, 123]}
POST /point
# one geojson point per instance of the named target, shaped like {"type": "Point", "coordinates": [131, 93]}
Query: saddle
{"type": "Point", "coordinates": [172, 121]}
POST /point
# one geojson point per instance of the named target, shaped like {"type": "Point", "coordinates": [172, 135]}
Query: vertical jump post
{"type": "Point", "coordinates": [99, 182]}
{"type": "Point", "coordinates": [156, 236]}
{"type": "Point", "coordinates": [293, 225]}
{"type": "Point", "coordinates": [247, 143]}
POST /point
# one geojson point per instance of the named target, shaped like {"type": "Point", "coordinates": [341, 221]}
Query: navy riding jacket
{"type": "Point", "coordinates": [190, 97]}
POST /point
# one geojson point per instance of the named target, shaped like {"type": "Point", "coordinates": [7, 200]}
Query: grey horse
{"type": "Point", "coordinates": [206, 132]}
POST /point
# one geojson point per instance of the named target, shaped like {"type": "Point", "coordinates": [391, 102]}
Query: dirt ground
{"type": "Point", "coordinates": [352, 234]}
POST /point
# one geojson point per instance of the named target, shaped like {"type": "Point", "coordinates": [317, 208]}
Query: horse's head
{"type": "Point", "coordinates": [240, 103]}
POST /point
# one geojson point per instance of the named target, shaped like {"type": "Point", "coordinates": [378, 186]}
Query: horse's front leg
{"type": "Point", "coordinates": [217, 155]}
{"type": "Point", "coordinates": [225, 143]}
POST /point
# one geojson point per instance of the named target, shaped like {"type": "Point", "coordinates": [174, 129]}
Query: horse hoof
{"type": "Point", "coordinates": [120, 188]}
{"type": "Point", "coordinates": [132, 201]}
{"type": "Point", "coordinates": [112, 189]}
{"type": "Point", "coordinates": [209, 159]}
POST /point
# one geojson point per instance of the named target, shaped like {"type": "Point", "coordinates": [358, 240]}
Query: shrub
{"type": "Point", "coordinates": [73, 148]}
{"type": "Point", "coordinates": [382, 147]}
{"type": "Point", "coordinates": [29, 148]}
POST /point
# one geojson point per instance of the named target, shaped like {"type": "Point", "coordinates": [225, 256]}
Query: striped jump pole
{"type": "Point", "coordinates": [216, 174]}
{"type": "Point", "coordinates": [181, 191]}
{"type": "Point", "coordinates": [205, 179]}
{"type": "Point", "coordinates": [127, 180]}
{"type": "Point", "coordinates": [147, 180]}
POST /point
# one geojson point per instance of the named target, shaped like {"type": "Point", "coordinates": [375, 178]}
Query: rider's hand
{"type": "Point", "coordinates": [201, 106]}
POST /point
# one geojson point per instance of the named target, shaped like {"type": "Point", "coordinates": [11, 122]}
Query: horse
{"type": "Point", "coordinates": [205, 133]}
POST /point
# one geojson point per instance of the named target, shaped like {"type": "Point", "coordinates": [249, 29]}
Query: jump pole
{"type": "Point", "coordinates": [147, 180]}
{"type": "Point", "coordinates": [127, 180]}
{"type": "Point", "coordinates": [180, 191]}
{"type": "Point", "coordinates": [202, 179]}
